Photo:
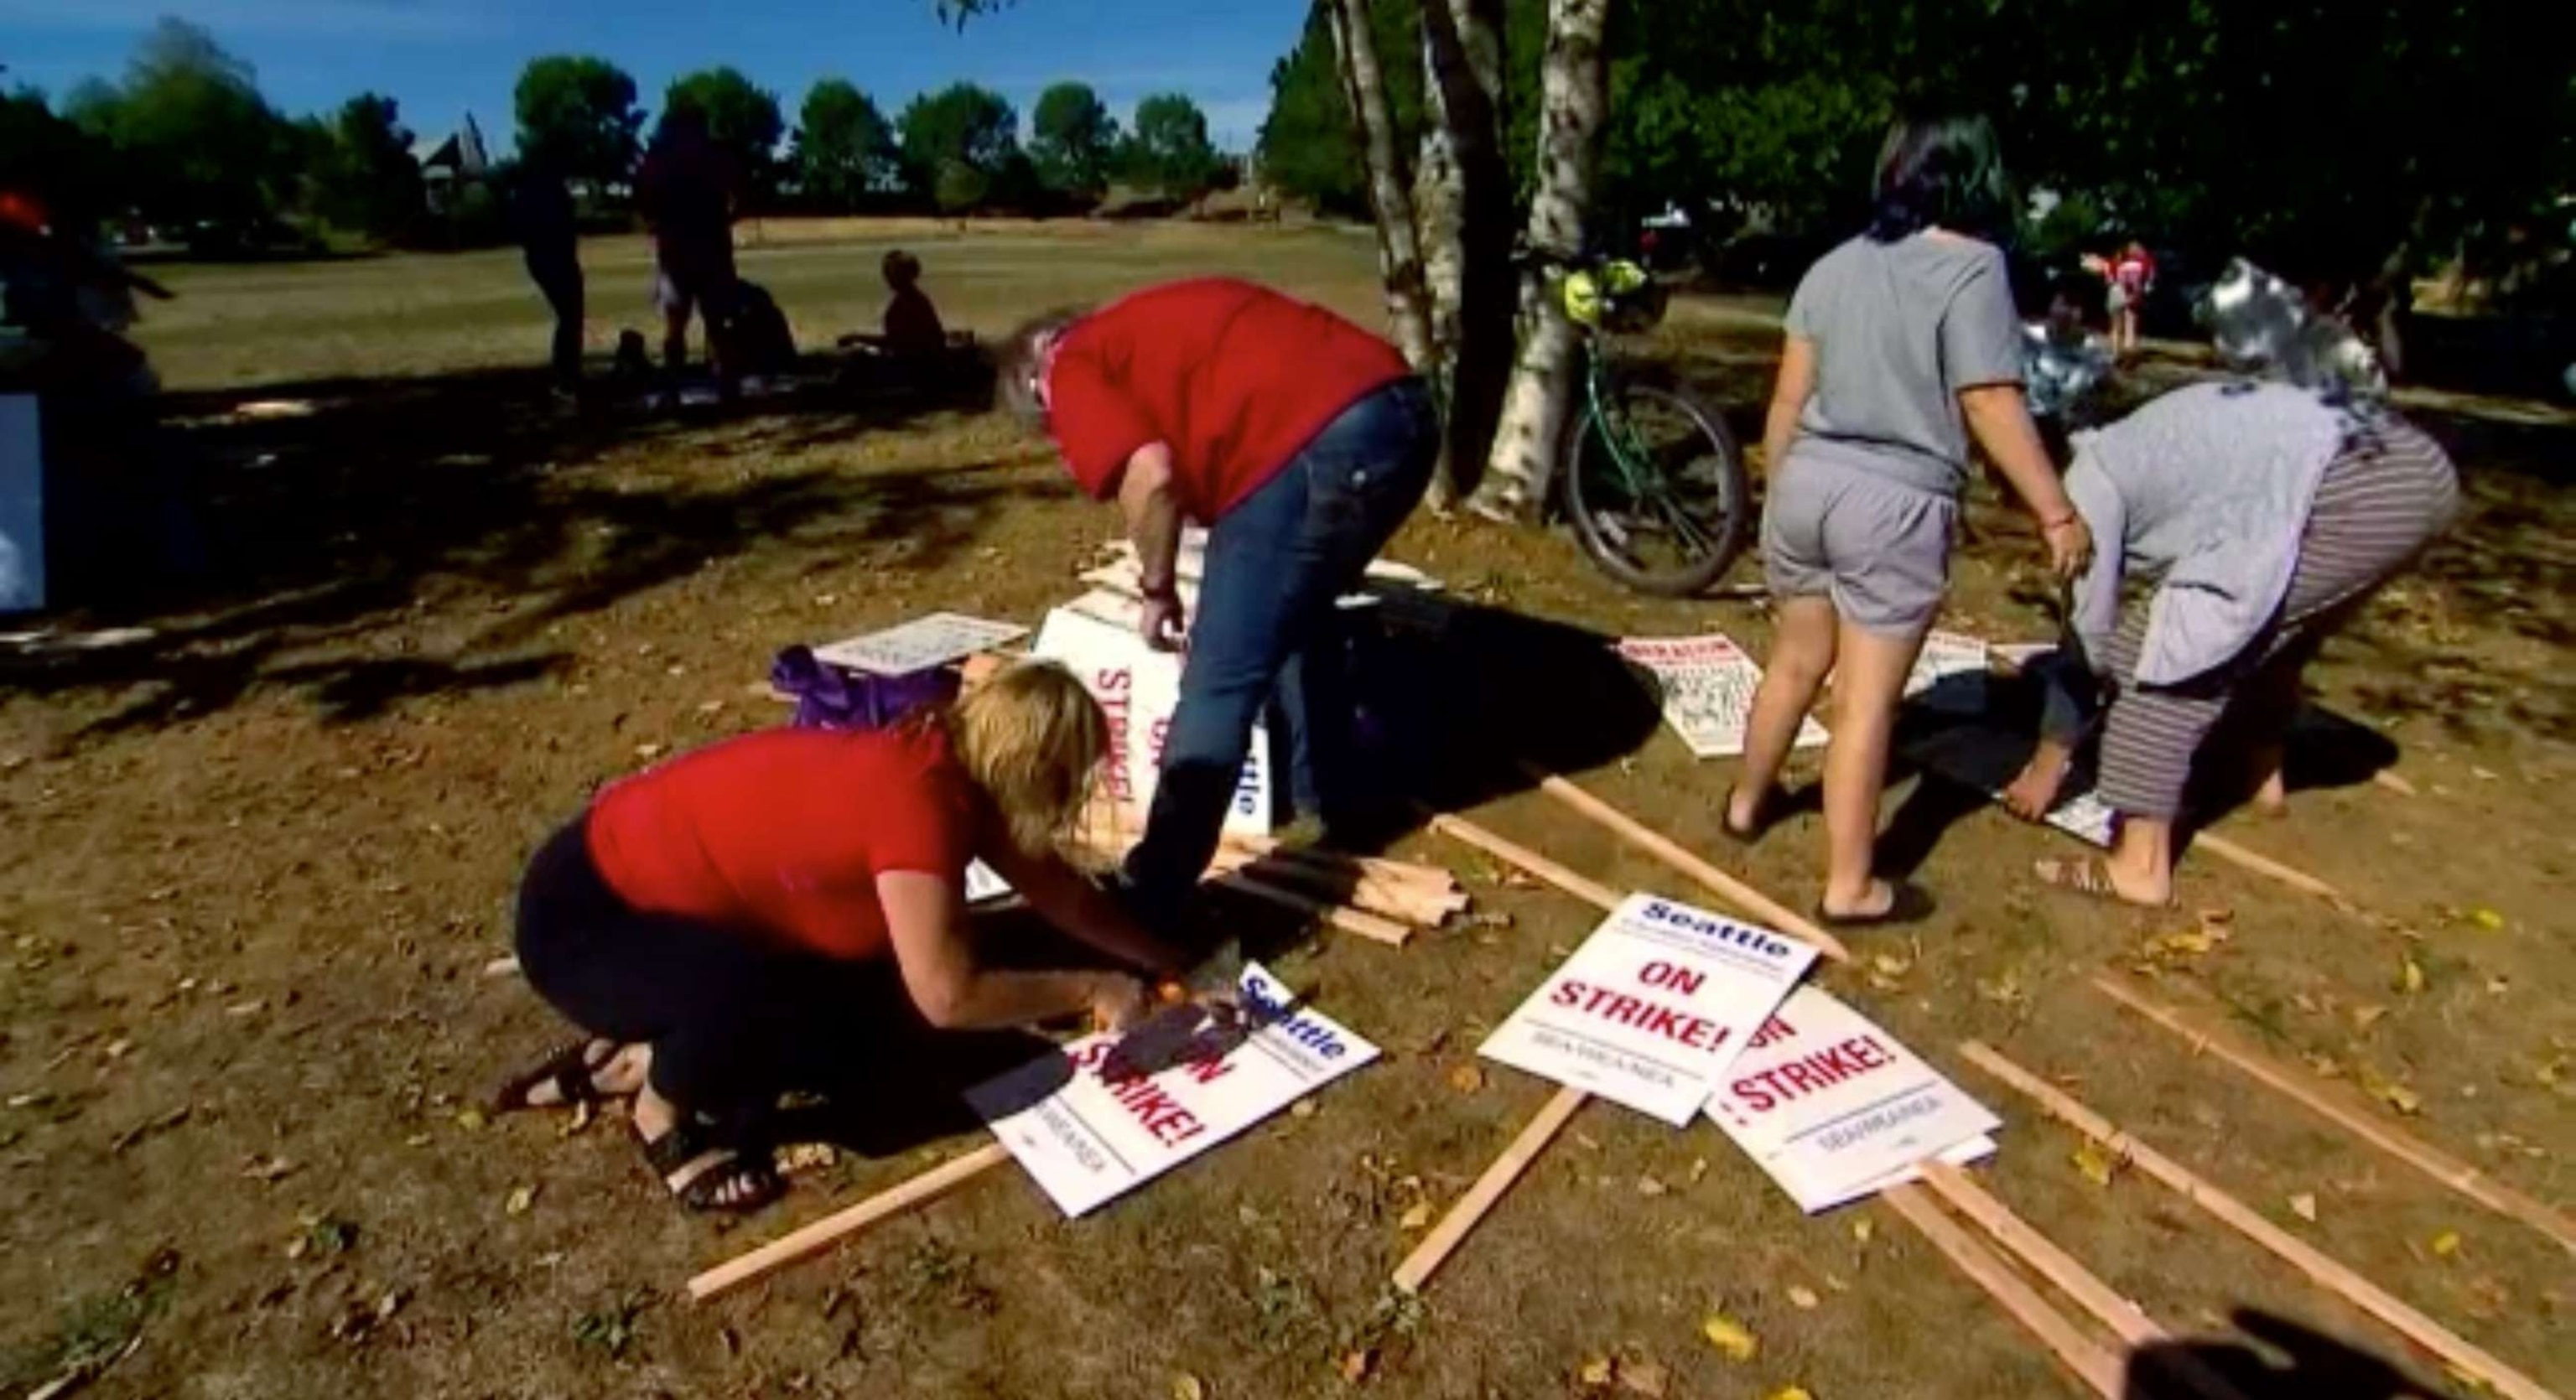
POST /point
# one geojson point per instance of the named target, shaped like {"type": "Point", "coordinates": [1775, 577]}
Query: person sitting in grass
{"type": "Point", "coordinates": [911, 334]}
{"type": "Point", "coordinates": [2267, 514]}
{"type": "Point", "coordinates": [732, 925]}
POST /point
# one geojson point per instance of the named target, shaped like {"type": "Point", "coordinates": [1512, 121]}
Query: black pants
{"type": "Point", "coordinates": [559, 277]}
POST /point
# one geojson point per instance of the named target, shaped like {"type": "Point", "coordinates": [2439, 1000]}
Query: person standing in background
{"type": "Point", "coordinates": [542, 216]}
{"type": "Point", "coordinates": [2132, 274]}
{"type": "Point", "coordinates": [687, 190]}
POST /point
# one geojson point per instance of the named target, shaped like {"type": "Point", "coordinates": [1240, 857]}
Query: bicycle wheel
{"type": "Point", "coordinates": [1655, 489]}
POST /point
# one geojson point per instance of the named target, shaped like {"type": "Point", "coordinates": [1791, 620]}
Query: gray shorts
{"type": "Point", "coordinates": [1878, 547]}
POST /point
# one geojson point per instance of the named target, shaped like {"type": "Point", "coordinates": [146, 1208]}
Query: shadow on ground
{"type": "Point", "coordinates": [2302, 1365]}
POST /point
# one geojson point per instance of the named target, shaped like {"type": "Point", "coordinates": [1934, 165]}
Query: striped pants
{"type": "Point", "coordinates": [2377, 505]}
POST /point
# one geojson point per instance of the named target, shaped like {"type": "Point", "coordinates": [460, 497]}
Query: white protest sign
{"type": "Point", "coordinates": [1653, 1007]}
{"type": "Point", "coordinates": [1832, 1107]}
{"type": "Point", "coordinates": [920, 644]}
{"type": "Point", "coordinates": [1708, 685]}
{"type": "Point", "coordinates": [1949, 674]}
{"type": "Point", "coordinates": [983, 883]}
{"type": "Point", "coordinates": [1139, 688]}
{"type": "Point", "coordinates": [1107, 1129]}
{"type": "Point", "coordinates": [1989, 759]}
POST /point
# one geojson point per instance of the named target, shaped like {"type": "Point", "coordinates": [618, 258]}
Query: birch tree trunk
{"type": "Point", "coordinates": [1472, 293]}
{"type": "Point", "coordinates": [1399, 250]}
{"type": "Point", "coordinates": [1574, 92]}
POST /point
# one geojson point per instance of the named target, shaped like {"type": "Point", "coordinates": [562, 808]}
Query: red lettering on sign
{"type": "Point", "coordinates": [1773, 1031]}
{"type": "Point", "coordinates": [1208, 1071]}
{"type": "Point", "coordinates": [1680, 979]}
{"type": "Point", "coordinates": [1811, 1074]}
{"type": "Point", "coordinates": [1670, 1023]}
{"type": "Point", "coordinates": [1156, 1111]}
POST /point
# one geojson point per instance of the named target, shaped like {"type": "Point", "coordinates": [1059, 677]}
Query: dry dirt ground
{"type": "Point", "coordinates": [257, 860]}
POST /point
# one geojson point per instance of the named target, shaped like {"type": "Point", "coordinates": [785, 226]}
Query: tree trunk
{"type": "Point", "coordinates": [1462, 48]}
{"type": "Point", "coordinates": [1399, 252]}
{"type": "Point", "coordinates": [1574, 91]}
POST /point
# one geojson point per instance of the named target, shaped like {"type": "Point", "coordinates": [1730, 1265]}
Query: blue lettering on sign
{"type": "Point", "coordinates": [1761, 941]}
{"type": "Point", "coordinates": [1269, 1007]}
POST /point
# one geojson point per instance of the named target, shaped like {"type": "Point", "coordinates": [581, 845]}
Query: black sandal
{"type": "Point", "coordinates": [1763, 808]}
{"type": "Point", "coordinates": [1908, 905]}
{"type": "Point", "coordinates": [569, 1068]}
{"type": "Point", "coordinates": [751, 1175]}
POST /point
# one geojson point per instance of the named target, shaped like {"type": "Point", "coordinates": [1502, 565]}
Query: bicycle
{"type": "Point", "coordinates": [1652, 481]}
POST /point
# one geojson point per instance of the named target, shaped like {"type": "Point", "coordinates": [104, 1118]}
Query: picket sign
{"type": "Point", "coordinates": [919, 645]}
{"type": "Point", "coordinates": [1708, 683]}
{"type": "Point", "coordinates": [1654, 1006]}
{"type": "Point", "coordinates": [1107, 1128]}
{"type": "Point", "coordinates": [1139, 687]}
{"type": "Point", "coordinates": [1833, 1108]}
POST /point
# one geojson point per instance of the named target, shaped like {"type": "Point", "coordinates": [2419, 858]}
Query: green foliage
{"type": "Point", "coordinates": [1309, 148]}
{"type": "Point", "coordinates": [72, 171]}
{"type": "Point", "coordinates": [364, 177]}
{"type": "Point", "coordinates": [844, 150]}
{"type": "Point", "coordinates": [740, 117]}
{"type": "Point", "coordinates": [1072, 140]}
{"type": "Point", "coordinates": [1169, 151]}
{"type": "Point", "coordinates": [578, 115]}
{"type": "Point", "coordinates": [961, 125]}
{"type": "Point", "coordinates": [198, 145]}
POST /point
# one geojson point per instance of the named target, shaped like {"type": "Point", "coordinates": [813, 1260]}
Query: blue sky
{"type": "Point", "coordinates": [443, 58]}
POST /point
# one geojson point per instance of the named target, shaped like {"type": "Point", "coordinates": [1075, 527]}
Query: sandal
{"type": "Point", "coordinates": [1907, 904]}
{"type": "Point", "coordinates": [2090, 877]}
{"type": "Point", "coordinates": [569, 1068]}
{"type": "Point", "coordinates": [724, 1179]}
{"type": "Point", "coordinates": [1752, 831]}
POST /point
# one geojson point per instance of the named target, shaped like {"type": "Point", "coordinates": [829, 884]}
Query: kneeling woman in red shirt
{"type": "Point", "coordinates": [732, 913]}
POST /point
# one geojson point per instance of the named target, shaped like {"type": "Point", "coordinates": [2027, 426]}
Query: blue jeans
{"type": "Point", "coordinates": [1266, 626]}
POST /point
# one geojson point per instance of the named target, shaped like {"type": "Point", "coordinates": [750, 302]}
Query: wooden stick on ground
{"type": "Point", "coordinates": [1670, 852]}
{"type": "Point", "coordinates": [2317, 1099]}
{"type": "Point", "coordinates": [824, 1233]}
{"type": "Point", "coordinates": [1386, 931]}
{"type": "Point", "coordinates": [2260, 864]}
{"type": "Point", "coordinates": [1427, 1256]}
{"type": "Point", "coordinates": [1582, 887]}
{"type": "Point", "coordinates": [1366, 893]}
{"type": "Point", "coordinates": [2324, 1271]}
{"type": "Point", "coordinates": [2096, 1364]}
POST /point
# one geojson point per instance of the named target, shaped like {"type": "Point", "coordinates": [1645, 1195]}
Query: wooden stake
{"type": "Point", "coordinates": [2095, 1364]}
{"type": "Point", "coordinates": [1348, 920]}
{"type": "Point", "coordinates": [1435, 1248]}
{"type": "Point", "coordinates": [824, 1233]}
{"type": "Point", "coordinates": [2125, 1318]}
{"type": "Point", "coordinates": [1365, 893]}
{"type": "Point", "coordinates": [2324, 1271]}
{"type": "Point", "coordinates": [1664, 848]}
{"type": "Point", "coordinates": [1582, 887]}
{"type": "Point", "coordinates": [2237, 855]}
{"type": "Point", "coordinates": [2313, 1096]}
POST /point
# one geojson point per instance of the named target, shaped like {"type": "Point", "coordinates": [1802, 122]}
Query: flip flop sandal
{"type": "Point", "coordinates": [2088, 877]}
{"type": "Point", "coordinates": [755, 1178]}
{"type": "Point", "coordinates": [568, 1068]}
{"type": "Point", "coordinates": [1763, 820]}
{"type": "Point", "coordinates": [1909, 906]}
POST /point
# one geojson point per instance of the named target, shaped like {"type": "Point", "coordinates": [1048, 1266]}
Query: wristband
{"type": "Point", "coordinates": [1169, 591]}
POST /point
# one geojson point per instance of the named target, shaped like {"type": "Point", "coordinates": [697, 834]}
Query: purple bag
{"type": "Point", "coordinates": [828, 697]}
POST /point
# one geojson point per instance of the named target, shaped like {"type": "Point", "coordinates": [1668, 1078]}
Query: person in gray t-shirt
{"type": "Point", "coordinates": [1902, 345]}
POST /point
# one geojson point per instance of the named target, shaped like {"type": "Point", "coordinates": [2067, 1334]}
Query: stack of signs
{"type": "Point", "coordinates": [1139, 687]}
{"type": "Point", "coordinates": [1653, 1008]}
{"type": "Point", "coordinates": [919, 645]}
{"type": "Point", "coordinates": [1833, 1108]}
{"type": "Point", "coordinates": [1708, 685]}
{"type": "Point", "coordinates": [1949, 674]}
{"type": "Point", "coordinates": [1090, 1124]}
{"type": "Point", "coordinates": [1989, 759]}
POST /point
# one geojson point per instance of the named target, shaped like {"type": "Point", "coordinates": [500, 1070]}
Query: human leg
{"type": "Point", "coordinates": [1802, 655]}
{"type": "Point", "coordinates": [1870, 671]}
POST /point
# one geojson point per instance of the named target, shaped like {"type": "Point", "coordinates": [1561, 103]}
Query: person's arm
{"type": "Point", "coordinates": [1065, 899]}
{"type": "Point", "coordinates": [926, 918]}
{"type": "Point", "coordinates": [2093, 607]}
{"type": "Point", "coordinates": [1153, 514]}
{"type": "Point", "coordinates": [2001, 424]}
{"type": "Point", "coordinates": [1789, 395]}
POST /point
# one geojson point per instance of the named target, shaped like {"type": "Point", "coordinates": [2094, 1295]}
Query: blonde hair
{"type": "Point", "coordinates": [1033, 740]}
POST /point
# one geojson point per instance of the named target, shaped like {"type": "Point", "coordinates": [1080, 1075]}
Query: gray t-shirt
{"type": "Point", "coordinates": [1900, 328]}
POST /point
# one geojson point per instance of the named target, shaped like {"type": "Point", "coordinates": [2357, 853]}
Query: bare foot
{"type": "Point", "coordinates": [2032, 793]}
{"type": "Point", "coordinates": [2272, 794]}
{"type": "Point", "coordinates": [1875, 901]}
{"type": "Point", "coordinates": [2097, 878]}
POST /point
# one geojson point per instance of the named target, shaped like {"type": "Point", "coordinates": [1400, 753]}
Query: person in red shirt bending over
{"type": "Point", "coordinates": [735, 923]}
{"type": "Point", "coordinates": [1302, 442]}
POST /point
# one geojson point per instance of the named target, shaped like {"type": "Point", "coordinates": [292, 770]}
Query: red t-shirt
{"type": "Point", "coordinates": [1233, 377]}
{"type": "Point", "coordinates": [2133, 271]}
{"type": "Point", "coordinates": [782, 834]}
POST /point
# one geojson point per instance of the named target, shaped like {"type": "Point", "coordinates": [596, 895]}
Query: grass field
{"type": "Point", "coordinates": [258, 858]}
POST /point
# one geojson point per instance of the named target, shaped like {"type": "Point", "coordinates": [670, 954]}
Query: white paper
{"type": "Point", "coordinates": [920, 644]}
{"type": "Point", "coordinates": [1654, 1006]}
{"type": "Point", "coordinates": [1139, 687]}
{"type": "Point", "coordinates": [1989, 759]}
{"type": "Point", "coordinates": [1094, 1138]}
{"type": "Point", "coordinates": [22, 505]}
{"type": "Point", "coordinates": [1949, 674]}
{"type": "Point", "coordinates": [982, 883]}
{"type": "Point", "coordinates": [1708, 684]}
{"type": "Point", "coordinates": [1832, 1107]}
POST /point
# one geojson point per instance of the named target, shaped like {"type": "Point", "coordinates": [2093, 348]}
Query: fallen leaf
{"type": "Point", "coordinates": [1790, 1392]}
{"type": "Point", "coordinates": [1644, 1377]}
{"type": "Point", "coordinates": [1803, 1299]}
{"type": "Point", "coordinates": [2395, 1095]}
{"type": "Point", "coordinates": [267, 1168]}
{"type": "Point", "coordinates": [1303, 1108]}
{"type": "Point", "coordinates": [2304, 1206]}
{"type": "Point", "coordinates": [252, 1007]}
{"type": "Point", "coordinates": [1416, 1218]}
{"type": "Point", "coordinates": [2487, 919]}
{"type": "Point", "coordinates": [1862, 1229]}
{"type": "Point", "coordinates": [2445, 1244]}
{"type": "Point", "coordinates": [2096, 1165]}
{"type": "Point", "coordinates": [1466, 1079]}
{"type": "Point", "coordinates": [1357, 1365]}
{"type": "Point", "coordinates": [1595, 1372]}
{"type": "Point", "coordinates": [2410, 976]}
{"type": "Point", "coordinates": [469, 1118]}
{"type": "Point", "coordinates": [1188, 1387]}
{"type": "Point", "coordinates": [2365, 1017]}
{"type": "Point", "coordinates": [521, 1198]}
{"type": "Point", "coordinates": [1891, 964]}
{"type": "Point", "coordinates": [1732, 1339]}
{"type": "Point", "coordinates": [2005, 990]}
{"type": "Point", "coordinates": [1648, 1186]}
